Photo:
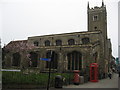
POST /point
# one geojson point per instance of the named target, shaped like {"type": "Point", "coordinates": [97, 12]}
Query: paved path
{"type": "Point", "coordinates": [104, 83]}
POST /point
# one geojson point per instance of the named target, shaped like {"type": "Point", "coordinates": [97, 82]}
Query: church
{"type": "Point", "coordinates": [72, 51]}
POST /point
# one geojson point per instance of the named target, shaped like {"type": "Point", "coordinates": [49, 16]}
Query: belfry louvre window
{"type": "Point", "coordinates": [47, 43]}
{"type": "Point", "coordinates": [71, 42]}
{"type": "Point", "coordinates": [58, 42]}
{"type": "Point", "coordinates": [95, 17]}
{"type": "Point", "coordinates": [36, 43]}
{"type": "Point", "coordinates": [85, 40]}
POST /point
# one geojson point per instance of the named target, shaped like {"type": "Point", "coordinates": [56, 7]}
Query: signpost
{"type": "Point", "coordinates": [49, 59]}
{"type": "Point", "coordinates": [45, 59]}
{"type": "Point", "coordinates": [49, 76]}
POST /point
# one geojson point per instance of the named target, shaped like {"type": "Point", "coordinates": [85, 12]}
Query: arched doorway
{"type": "Point", "coordinates": [34, 59]}
{"type": "Point", "coordinates": [54, 62]}
{"type": "Point", "coordinates": [16, 59]}
{"type": "Point", "coordinates": [74, 60]}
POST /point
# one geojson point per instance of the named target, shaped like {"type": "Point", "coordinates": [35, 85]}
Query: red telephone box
{"type": "Point", "coordinates": [94, 72]}
{"type": "Point", "coordinates": [76, 79]}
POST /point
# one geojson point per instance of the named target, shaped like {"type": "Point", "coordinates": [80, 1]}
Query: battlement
{"type": "Point", "coordinates": [97, 8]}
{"type": "Point", "coordinates": [102, 7]}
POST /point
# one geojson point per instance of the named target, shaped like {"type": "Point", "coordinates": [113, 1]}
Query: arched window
{"type": "Point", "coordinates": [71, 42]}
{"type": "Point", "coordinates": [16, 59]}
{"type": "Point", "coordinates": [58, 42]}
{"type": "Point", "coordinates": [54, 62]}
{"type": "Point", "coordinates": [85, 40]}
{"type": "Point", "coordinates": [47, 43]}
{"type": "Point", "coordinates": [74, 60]}
{"type": "Point", "coordinates": [36, 43]}
{"type": "Point", "coordinates": [33, 59]}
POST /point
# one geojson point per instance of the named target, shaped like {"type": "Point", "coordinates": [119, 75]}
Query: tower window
{"type": "Point", "coordinates": [95, 28]}
{"type": "Point", "coordinates": [95, 17]}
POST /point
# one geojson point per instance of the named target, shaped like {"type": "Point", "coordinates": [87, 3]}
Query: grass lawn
{"type": "Point", "coordinates": [9, 77]}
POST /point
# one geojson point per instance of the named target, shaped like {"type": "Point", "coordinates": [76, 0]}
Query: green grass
{"type": "Point", "coordinates": [19, 78]}
{"type": "Point", "coordinates": [32, 78]}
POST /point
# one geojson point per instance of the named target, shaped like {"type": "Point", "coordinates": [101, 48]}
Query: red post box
{"type": "Point", "coordinates": [76, 79]}
{"type": "Point", "coordinates": [94, 72]}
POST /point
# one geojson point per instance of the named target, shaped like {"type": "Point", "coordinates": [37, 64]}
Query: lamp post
{"type": "Point", "coordinates": [49, 75]}
{"type": "Point", "coordinates": [49, 70]}
{"type": "Point", "coordinates": [119, 54]}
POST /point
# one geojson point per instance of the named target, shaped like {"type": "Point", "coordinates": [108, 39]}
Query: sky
{"type": "Point", "coordinates": [20, 19]}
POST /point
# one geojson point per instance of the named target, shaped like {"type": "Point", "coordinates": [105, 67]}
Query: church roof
{"type": "Point", "coordinates": [72, 33]}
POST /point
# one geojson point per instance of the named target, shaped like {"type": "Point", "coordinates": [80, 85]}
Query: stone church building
{"type": "Point", "coordinates": [72, 51]}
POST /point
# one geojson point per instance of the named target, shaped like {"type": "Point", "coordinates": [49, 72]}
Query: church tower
{"type": "Point", "coordinates": [97, 19]}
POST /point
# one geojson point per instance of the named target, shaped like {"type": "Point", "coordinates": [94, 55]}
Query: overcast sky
{"type": "Point", "coordinates": [20, 19]}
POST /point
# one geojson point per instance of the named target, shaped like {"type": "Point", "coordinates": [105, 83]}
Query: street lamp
{"type": "Point", "coordinates": [119, 54]}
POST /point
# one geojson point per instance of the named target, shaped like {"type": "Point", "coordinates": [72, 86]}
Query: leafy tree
{"type": "Point", "coordinates": [22, 47]}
